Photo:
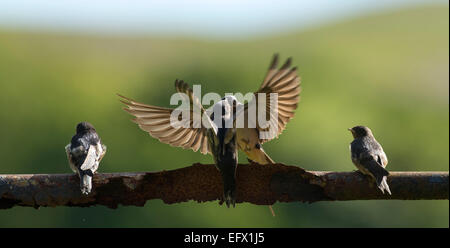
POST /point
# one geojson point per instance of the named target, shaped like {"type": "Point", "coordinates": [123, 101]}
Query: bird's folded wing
{"type": "Point", "coordinates": [373, 166]}
{"type": "Point", "coordinates": [91, 159]}
{"type": "Point", "coordinates": [102, 154]}
{"type": "Point", "coordinates": [286, 84]}
{"type": "Point", "coordinates": [157, 122]}
{"type": "Point", "coordinates": [69, 155]}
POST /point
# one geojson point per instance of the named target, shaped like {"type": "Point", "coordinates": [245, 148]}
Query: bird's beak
{"type": "Point", "coordinates": [350, 129]}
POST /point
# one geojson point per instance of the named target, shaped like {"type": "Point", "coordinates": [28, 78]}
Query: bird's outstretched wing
{"type": "Point", "coordinates": [285, 83]}
{"type": "Point", "coordinates": [157, 122]}
{"type": "Point", "coordinates": [195, 103]}
{"type": "Point", "coordinates": [91, 159]}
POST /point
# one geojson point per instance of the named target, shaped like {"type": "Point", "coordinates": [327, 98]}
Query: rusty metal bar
{"type": "Point", "coordinates": [257, 184]}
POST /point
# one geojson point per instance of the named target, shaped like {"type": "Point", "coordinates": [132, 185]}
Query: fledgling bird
{"type": "Point", "coordinates": [84, 153]}
{"type": "Point", "coordinates": [369, 157]}
{"type": "Point", "coordinates": [223, 142]}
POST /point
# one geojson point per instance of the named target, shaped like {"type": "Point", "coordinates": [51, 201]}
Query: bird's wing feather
{"type": "Point", "coordinates": [384, 159]}
{"type": "Point", "coordinates": [374, 167]}
{"type": "Point", "coordinates": [69, 158]}
{"type": "Point", "coordinates": [156, 121]}
{"type": "Point", "coordinates": [103, 152]}
{"type": "Point", "coordinates": [91, 159]}
{"type": "Point", "coordinates": [195, 103]}
{"type": "Point", "coordinates": [69, 155]}
{"type": "Point", "coordinates": [286, 83]}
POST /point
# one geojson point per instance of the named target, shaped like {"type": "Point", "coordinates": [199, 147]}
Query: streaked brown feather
{"type": "Point", "coordinates": [156, 121]}
{"type": "Point", "coordinates": [286, 83]}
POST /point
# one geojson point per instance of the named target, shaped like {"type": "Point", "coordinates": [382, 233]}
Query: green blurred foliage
{"type": "Point", "coordinates": [389, 72]}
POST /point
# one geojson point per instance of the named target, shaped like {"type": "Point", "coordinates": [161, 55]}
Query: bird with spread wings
{"type": "Point", "coordinates": [223, 142]}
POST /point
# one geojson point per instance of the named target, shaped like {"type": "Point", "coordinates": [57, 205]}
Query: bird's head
{"type": "Point", "coordinates": [223, 112]}
{"type": "Point", "coordinates": [360, 131]}
{"type": "Point", "coordinates": [230, 99]}
{"type": "Point", "coordinates": [83, 127]}
{"type": "Point", "coordinates": [232, 102]}
{"type": "Point", "coordinates": [221, 108]}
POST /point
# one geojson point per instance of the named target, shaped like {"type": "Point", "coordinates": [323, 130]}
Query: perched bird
{"type": "Point", "coordinates": [369, 157]}
{"type": "Point", "coordinates": [223, 146]}
{"type": "Point", "coordinates": [222, 136]}
{"type": "Point", "coordinates": [84, 153]}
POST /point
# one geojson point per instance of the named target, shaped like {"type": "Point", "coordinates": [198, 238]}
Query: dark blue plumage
{"type": "Point", "coordinates": [84, 153]}
{"type": "Point", "coordinates": [81, 141]}
{"type": "Point", "coordinates": [223, 147]}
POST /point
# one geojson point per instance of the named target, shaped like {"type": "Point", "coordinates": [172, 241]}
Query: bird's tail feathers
{"type": "Point", "coordinates": [230, 198]}
{"type": "Point", "coordinates": [229, 188]}
{"type": "Point", "coordinates": [383, 185]}
{"type": "Point", "coordinates": [379, 174]}
{"type": "Point", "coordinates": [86, 181]}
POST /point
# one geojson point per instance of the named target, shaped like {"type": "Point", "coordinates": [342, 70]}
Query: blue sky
{"type": "Point", "coordinates": [220, 18]}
